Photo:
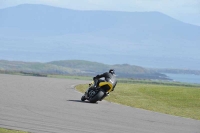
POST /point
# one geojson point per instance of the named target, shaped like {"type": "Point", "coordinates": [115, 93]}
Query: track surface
{"type": "Point", "coordinates": [48, 105]}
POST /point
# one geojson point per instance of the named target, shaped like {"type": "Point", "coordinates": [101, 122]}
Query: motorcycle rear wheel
{"type": "Point", "coordinates": [97, 97]}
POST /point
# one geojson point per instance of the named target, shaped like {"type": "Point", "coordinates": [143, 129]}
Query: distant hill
{"type": "Point", "coordinates": [150, 39]}
{"type": "Point", "coordinates": [79, 67]}
{"type": "Point", "coordinates": [177, 71]}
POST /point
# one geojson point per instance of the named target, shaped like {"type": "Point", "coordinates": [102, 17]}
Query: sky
{"type": "Point", "coordinates": [187, 11]}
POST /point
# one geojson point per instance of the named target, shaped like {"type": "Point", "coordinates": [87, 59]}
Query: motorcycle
{"type": "Point", "coordinates": [97, 93]}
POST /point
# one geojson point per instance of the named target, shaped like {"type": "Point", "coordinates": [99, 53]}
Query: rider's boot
{"type": "Point", "coordinates": [107, 93]}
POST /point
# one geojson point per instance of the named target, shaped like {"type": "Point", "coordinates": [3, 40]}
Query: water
{"type": "Point", "coordinates": [186, 78]}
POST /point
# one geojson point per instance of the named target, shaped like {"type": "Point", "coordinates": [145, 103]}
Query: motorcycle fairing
{"type": "Point", "coordinates": [101, 84]}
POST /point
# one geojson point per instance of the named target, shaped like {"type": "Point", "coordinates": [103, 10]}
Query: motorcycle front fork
{"type": "Point", "coordinates": [86, 93]}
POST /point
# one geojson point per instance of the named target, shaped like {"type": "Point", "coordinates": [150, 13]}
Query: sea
{"type": "Point", "coordinates": [185, 78]}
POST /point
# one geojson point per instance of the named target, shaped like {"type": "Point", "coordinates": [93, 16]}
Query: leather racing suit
{"type": "Point", "coordinates": [108, 78]}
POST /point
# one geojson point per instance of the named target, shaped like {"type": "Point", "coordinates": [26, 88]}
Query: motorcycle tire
{"type": "Point", "coordinates": [83, 98]}
{"type": "Point", "coordinates": [97, 97]}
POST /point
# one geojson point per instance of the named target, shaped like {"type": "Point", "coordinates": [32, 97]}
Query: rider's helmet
{"type": "Point", "coordinates": [112, 71]}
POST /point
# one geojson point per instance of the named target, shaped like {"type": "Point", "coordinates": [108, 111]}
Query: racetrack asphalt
{"type": "Point", "coordinates": [50, 105]}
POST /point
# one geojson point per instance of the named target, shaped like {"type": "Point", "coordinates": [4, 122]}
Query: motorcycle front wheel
{"type": "Point", "coordinates": [83, 98]}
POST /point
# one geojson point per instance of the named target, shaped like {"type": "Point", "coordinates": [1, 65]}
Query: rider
{"type": "Point", "coordinates": [109, 77]}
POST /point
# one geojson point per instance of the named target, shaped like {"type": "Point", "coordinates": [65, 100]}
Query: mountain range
{"type": "Point", "coordinates": [79, 67]}
{"type": "Point", "coordinates": [150, 39]}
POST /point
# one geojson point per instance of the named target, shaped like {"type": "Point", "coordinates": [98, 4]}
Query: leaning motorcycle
{"type": "Point", "coordinates": [97, 93]}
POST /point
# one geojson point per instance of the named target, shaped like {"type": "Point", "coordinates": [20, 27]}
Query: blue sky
{"type": "Point", "coordinates": [185, 10]}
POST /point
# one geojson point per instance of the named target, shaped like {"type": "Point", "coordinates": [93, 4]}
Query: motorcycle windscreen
{"type": "Point", "coordinates": [110, 86]}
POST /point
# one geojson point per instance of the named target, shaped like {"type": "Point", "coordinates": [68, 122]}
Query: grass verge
{"type": "Point", "coordinates": [3, 130]}
{"type": "Point", "coordinates": [175, 100]}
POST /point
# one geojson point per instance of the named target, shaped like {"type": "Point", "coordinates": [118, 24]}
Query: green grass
{"type": "Point", "coordinates": [175, 100]}
{"type": "Point", "coordinates": [2, 130]}
{"type": "Point", "coordinates": [157, 82]}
